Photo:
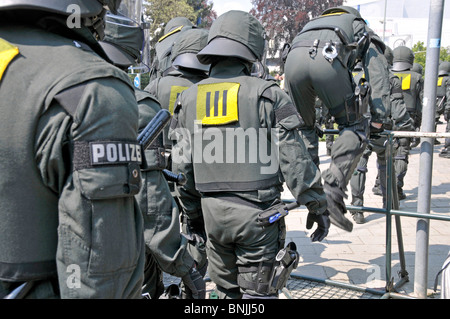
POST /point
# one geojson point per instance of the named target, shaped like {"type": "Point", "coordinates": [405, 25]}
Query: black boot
{"type": "Point", "coordinates": [415, 142]}
{"type": "Point", "coordinates": [401, 194]}
{"type": "Point", "coordinates": [445, 153]}
{"type": "Point", "coordinates": [377, 191]}
{"type": "Point", "coordinates": [358, 217]}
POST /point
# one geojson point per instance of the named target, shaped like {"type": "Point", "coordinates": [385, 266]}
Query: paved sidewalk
{"type": "Point", "coordinates": [359, 257]}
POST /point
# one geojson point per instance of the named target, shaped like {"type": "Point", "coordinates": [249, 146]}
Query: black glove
{"type": "Point", "coordinates": [323, 224]}
{"type": "Point", "coordinates": [194, 282]}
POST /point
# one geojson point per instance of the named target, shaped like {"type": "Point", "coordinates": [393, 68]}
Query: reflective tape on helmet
{"type": "Point", "coordinates": [170, 33]}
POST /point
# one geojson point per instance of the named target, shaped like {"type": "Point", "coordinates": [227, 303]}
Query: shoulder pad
{"type": "Point", "coordinates": [70, 98]}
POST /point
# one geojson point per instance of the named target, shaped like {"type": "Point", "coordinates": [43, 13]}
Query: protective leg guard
{"type": "Point", "coordinates": [336, 207]}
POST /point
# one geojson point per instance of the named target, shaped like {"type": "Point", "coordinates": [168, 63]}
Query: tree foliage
{"type": "Point", "coordinates": [204, 12]}
{"type": "Point", "coordinates": [283, 19]}
{"type": "Point", "coordinates": [420, 54]}
{"type": "Point", "coordinates": [159, 12]}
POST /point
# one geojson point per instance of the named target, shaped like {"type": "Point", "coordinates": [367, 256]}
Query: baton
{"type": "Point", "coordinates": [154, 128]}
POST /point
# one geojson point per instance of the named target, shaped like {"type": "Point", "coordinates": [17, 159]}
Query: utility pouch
{"type": "Point", "coordinates": [285, 262]}
{"type": "Point", "coordinates": [362, 91]}
{"type": "Point", "coordinates": [357, 105]}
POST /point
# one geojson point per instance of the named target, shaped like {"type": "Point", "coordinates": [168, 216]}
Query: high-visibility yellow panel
{"type": "Point", "coordinates": [406, 80]}
{"type": "Point", "coordinates": [175, 91]}
{"type": "Point", "coordinates": [217, 104]}
{"type": "Point", "coordinates": [7, 54]}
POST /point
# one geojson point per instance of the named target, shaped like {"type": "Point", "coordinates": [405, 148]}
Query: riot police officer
{"type": "Point", "coordinates": [223, 129]}
{"type": "Point", "coordinates": [186, 70]}
{"type": "Point", "coordinates": [412, 86]}
{"type": "Point", "coordinates": [397, 119]}
{"type": "Point", "coordinates": [70, 223]}
{"type": "Point", "coordinates": [166, 248]}
{"type": "Point", "coordinates": [418, 68]}
{"type": "Point", "coordinates": [319, 63]}
{"type": "Point", "coordinates": [163, 62]}
{"type": "Point", "coordinates": [443, 102]}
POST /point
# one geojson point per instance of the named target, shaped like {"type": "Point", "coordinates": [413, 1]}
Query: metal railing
{"type": "Point", "coordinates": [392, 209]}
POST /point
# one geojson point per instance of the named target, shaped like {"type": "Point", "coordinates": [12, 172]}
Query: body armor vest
{"type": "Point", "coordinates": [409, 80]}
{"type": "Point", "coordinates": [441, 86]}
{"type": "Point", "coordinates": [46, 65]}
{"type": "Point", "coordinates": [231, 151]}
{"type": "Point", "coordinates": [168, 88]}
{"type": "Point", "coordinates": [344, 22]}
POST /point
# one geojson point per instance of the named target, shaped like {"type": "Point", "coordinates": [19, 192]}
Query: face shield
{"type": "Point", "coordinates": [132, 9]}
{"type": "Point", "coordinates": [123, 41]}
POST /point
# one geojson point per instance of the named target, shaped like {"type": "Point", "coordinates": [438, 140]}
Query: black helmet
{"type": "Point", "coordinates": [389, 55]}
{"type": "Point", "coordinates": [176, 23]}
{"type": "Point", "coordinates": [444, 68]}
{"type": "Point", "coordinates": [417, 67]}
{"type": "Point", "coordinates": [124, 40]}
{"type": "Point", "coordinates": [87, 8]}
{"type": "Point", "coordinates": [185, 49]}
{"type": "Point", "coordinates": [346, 9]}
{"type": "Point", "coordinates": [235, 34]}
{"type": "Point", "coordinates": [403, 58]}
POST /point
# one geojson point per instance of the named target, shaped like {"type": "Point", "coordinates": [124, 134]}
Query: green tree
{"type": "Point", "coordinates": [204, 12]}
{"type": "Point", "coordinates": [158, 12]}
{"type": "Point", "coordinates": [420, 54]}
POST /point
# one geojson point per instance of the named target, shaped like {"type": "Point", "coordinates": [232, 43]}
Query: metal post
{"type": "Point", "coordinates": [426, 151]}
{"type": "Point", "coordinates": [389, 178]}
{"type": "Point", "coordinates": [384, 21]}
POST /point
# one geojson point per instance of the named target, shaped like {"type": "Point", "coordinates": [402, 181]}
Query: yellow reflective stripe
{"type": "Point", "coordinates": [406, 80]}
{"type": "Point", "coordinates": [357, 73]}
{"type": "Point", "coordinates": [175, 91]}
{"type": "Point", "coordinates": [440, 79]}
{"type": "Point", "coordinates": [7, 53]}
{"type": "Point", "coordinates": [217, 104]}
{"type": "Point", "coordinates": [170, 33]}
{"type": "Point", "coordinates": [333, 14]}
